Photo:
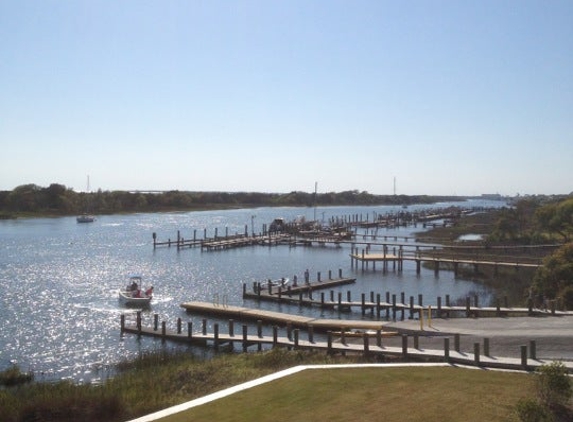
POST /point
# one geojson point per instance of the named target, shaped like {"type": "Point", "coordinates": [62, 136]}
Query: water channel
{"type": "Point", "coordinates": [59, 279]}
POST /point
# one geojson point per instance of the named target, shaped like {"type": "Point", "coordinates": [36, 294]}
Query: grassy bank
{"type": "Point", "coordinates": [150, 383]}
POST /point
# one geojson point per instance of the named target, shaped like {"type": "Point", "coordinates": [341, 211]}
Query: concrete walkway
{"type": "Point", "coordinates": [553, 334]}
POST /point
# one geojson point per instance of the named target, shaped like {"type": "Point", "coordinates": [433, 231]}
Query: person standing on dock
{"type": "Point", "coordinates": [306, 276]}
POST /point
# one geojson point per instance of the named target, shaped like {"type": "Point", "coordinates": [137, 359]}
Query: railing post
{"type": "Point", "coordinates": [245, 337]}
{"type": "Point", "coordinates": [524, 357]}
{"type": "Point", "coordinates": [533, 350]}
{"type": "Point", "coordinates": [446, 349]}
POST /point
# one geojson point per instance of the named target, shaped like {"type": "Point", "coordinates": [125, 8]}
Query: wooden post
{"type": "Point", "coordinates": [138, 322]}
{"type": "Point", "coordinates": [446, 349]}
{"type": "Point", "coordinates": [457, 342]}
{"type": "Point", "coordinates": [405, 345]}
{"type": "Point", "coordinates": [163, 330]}
{"type": "Point", "coordinates": [179, 325]}
{"type": "Point", "coordinates": [245, 338]}
{"type": "Point", "coordinates": [311, 334]}
{"type": "Point", "coordinates": [122, 322]}
{"type": "Point", "coordinates": [411, 307]}
{"type": "Point", "coordinates": [329, 343]}
{"type": "Point", "coordinates": [189, 329]}
{"type": "Point", "coordinates": [366, 344]}
{"type": "Point", "coordinates": [388, 305]}
{"type": "Point", "coordinates": [439, 307]}
{"type": "Point", "coordinates": [533, 349]}
{"type": "Point", "coordinates": [275, 335]}
{"type": "Point", "coordinates": [378, 305]}
{"type": "Point", "coordinates": [524, 357]}
{"type": "Point", "coordinates": [259, 328]}
{"type": "Point", "coordinates": [204, 327]}
{"type": "Point", "coordinates": [379, 338]}
{"type": "Point", "coordinates": [468, 312]}
{"type": "Point", "coordinates": [155, 322]}
{"type": "Point", "coordinates": [363, 303]}
{"type": "Point", "coordinates": [416, 342]}
{"type": "Point", "coordinates": [486, 346]}
{"type": "Point", "coordinates": [231, 328]}
{"type": "Point", "coordinates": [476, 354]}
{"type": "Point", "coordinates": [296, 333]}
{"type": "Point", "coordinates": [394, 307]}
{"type": "Point", "coordinates": [216, 336]}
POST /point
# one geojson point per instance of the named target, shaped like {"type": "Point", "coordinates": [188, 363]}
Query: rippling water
{"type": "Point", "coordinates": [59, 280]}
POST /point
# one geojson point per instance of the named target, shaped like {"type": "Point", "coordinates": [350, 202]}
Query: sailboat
{"type": "Point", "coordinates": [86, 217]}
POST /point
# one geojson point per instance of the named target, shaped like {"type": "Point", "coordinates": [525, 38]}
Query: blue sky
{"type": "Point", "coordinates": [447, 97]}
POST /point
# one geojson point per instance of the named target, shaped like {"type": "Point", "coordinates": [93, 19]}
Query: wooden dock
{"type": "Point", "coordinates": [394, 306]}
{"type": "Point", "coordinates": [397, 260]}
{"type": "Point", "coordinates": [282, 319]}
{"type": "Point", "coordinates": [365, 343]}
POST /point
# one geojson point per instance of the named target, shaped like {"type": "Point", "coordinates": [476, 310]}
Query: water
{"type": "Point", "coordinates": [59, 280]}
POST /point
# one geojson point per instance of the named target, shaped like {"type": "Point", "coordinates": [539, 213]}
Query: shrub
{"type": "Point", "coordinates": [529, 410]}
{"type": "Point", "coordinates": [553, 385]}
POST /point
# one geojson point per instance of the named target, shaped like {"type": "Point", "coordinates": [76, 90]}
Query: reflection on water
{"type": "Point", "coordinates": [59, 280]}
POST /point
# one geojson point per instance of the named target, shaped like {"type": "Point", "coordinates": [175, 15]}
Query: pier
{"type": "Point", "coordinates": [366, 343]}
{"type": "Point", "coordinates": [399, 254]}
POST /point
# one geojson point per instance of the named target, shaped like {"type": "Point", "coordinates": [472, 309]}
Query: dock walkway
{"type": "Point", "coordinates": [270, 317]}
{"type": "Point", "coordinates": [369, 345]}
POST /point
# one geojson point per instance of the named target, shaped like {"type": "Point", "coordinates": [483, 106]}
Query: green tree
{"type": "Point", "coordinates": [555, 277]}
{"type": "Point", "coordinates": [557, 218]}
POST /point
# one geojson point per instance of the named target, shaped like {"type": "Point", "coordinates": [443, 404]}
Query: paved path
{"type": "Point", "coordinates": [553, 335]}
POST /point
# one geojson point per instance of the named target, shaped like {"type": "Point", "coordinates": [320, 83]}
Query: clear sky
{"type": "Point", "coordinates": [447, 97]}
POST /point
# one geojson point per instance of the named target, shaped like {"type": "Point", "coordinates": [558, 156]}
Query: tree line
{"type": "Point", "coordinates": [542, 220]}
{"type": "Point", "coordinates": [57, 199]}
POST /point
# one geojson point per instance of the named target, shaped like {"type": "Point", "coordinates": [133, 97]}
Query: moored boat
{"type": "Point", "coordinates": [85, 218]}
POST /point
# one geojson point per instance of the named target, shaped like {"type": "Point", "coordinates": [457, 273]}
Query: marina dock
{"type": "Point", "coordinates": [282, 319]}
{"type": "Point", "coordinates": [364, 343]}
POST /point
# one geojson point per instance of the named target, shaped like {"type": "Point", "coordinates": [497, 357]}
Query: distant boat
{"type": "Point", "coordinates": [86, 217]}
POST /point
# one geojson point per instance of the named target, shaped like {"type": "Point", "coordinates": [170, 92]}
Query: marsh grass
{"type": "Point", "coordinates": [149, 383]}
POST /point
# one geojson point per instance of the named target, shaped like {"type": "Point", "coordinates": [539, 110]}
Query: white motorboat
{"type": "Point", "coordinates": [134, 295]}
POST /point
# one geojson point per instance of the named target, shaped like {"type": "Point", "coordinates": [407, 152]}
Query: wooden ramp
{"type": "Point", "coordinates": [280, 318]}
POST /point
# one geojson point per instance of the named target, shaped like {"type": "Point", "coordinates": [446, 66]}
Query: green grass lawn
{"type": "Point", "coordinates": [374, 394]}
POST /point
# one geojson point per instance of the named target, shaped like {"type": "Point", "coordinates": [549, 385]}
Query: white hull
{"type": "Point", "coordinates": [125, 298]}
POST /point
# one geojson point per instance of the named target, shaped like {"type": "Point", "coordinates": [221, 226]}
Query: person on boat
{"type": "Point", "coordinates": [134, 286]}
{"type": "Point", "coordinates": [149, 292]}
{"type": "Point", "coordinates": [136, 293]}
